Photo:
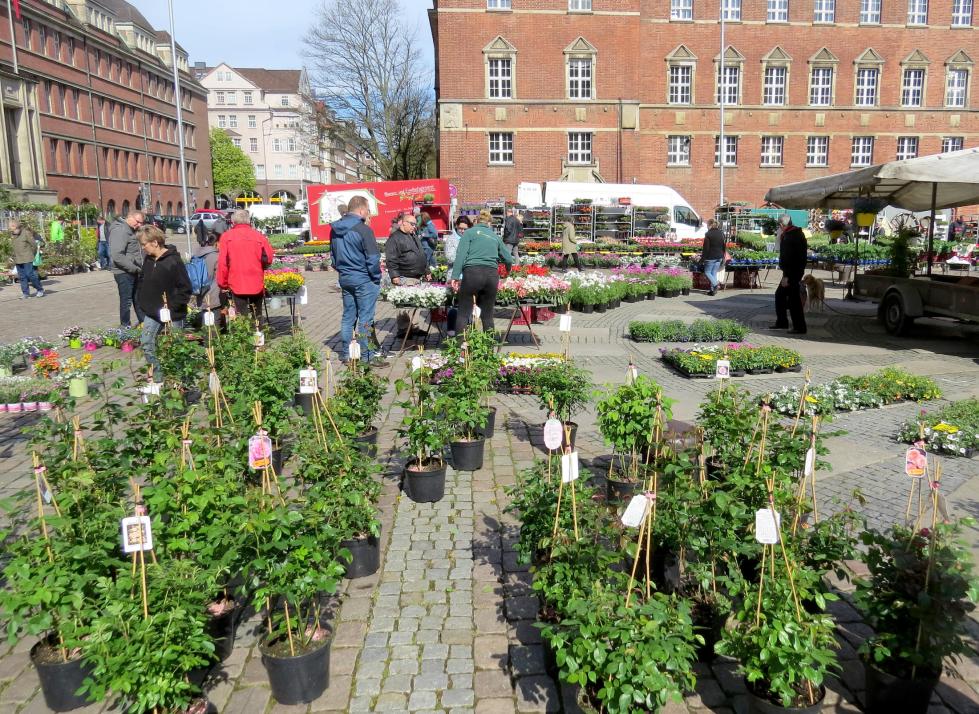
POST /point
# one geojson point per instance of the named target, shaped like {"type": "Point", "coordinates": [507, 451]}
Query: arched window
{"type": "Point", "coordinates": [110, 208]}
{"type": "Point", "coordinates": [66, 202]}
{"type": "Point", "coordinates": [125, 207]}
{"type": "Point", "coordinates": [169, 208]}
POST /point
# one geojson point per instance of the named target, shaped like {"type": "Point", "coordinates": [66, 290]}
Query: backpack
{"type": "Point", "coordinates": [200, 280]}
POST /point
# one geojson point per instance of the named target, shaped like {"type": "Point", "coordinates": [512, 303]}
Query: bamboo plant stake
{"type": "Point", "coordinates": [915, 481]}
{"type": "Point", "coordinates": [802, 400]}
{"type": "Point", "coordinates": [807, 480]}
{"type": "Point", "coordinates": [39, 479]}
{"type": "Point", "coordinates": [932, 535]}
{"type": "Point", "coordinates": [650, 491]}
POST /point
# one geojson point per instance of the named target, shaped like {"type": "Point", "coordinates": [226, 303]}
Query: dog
{"type": "Point", "coordinates": [815, 292]}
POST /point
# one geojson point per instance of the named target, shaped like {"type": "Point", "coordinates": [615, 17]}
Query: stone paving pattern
{"type": "Point", "coordinates": [447, 622]}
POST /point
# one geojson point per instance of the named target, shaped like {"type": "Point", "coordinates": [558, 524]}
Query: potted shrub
{"type": "Point", "coordinates": [8, 354]}
{"type": "Point", "coordinates": [356, 405]}
{"type": "Point", "coordinates": [564, 389]}
{"type": "Point", "coordinates": [917, 597]}
{"type": "Point", "coordinates": [460, 399]}
{"type": "Point", "coordinates": [74, 373]}
{"type": "Point", "coordinates": [425, 432]}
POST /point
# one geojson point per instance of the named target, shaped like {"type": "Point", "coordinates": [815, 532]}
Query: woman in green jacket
{"type": "Point", "coordinates": [474, 272]}
{"type": "Point", "coordinates": [25, 243]}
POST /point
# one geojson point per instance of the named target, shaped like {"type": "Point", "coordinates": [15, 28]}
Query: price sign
{"type": "Point", "coordinates": [354, 350]}
{"type": "Point", "coordinates": [553, 434]}
{"type": "Point", "coordinates": [259, 451]}
{"type": "Point", "coordinates": [232, 313]}
{"type": "Point", "coordinates": [810, 467]}
{"type": "Point", "coordinates": [304, 295]}
{"type": "Point", "coordinates": [308, 381]}
{"type": "Point", "coordinates": [767, 523]}
{"type": "Point", "coordinates": [565, 325]}
{"type": "Point", "coordinates": [569, 467]}
{"type": "Point", "coordinates": [213, 382]}
{"type": "Point", "coordinates": [208, 319]}
{"type": "Point", "coordinates": [631, 374]}
{"type": "Point", "coordinates": [723, 369]}
{"type": "Point", "coordinates": [417, 363]}
{"type": "Point", "coordinates": [635, 512]}
{"type": "Point", "coordinates": [476, 312]}
{"type": "Point", "coordinates": [165, 314]}
{"type": "Point", "coordinates": [259, 338]}
{"type": "Point", "coordinates": [916, 462]}
{"type": "Point", "coordinates": [137, 534]}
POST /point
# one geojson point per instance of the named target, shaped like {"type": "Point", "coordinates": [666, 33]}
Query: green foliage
{"type": "Point", "coordinates": [565, 389]}
{"type": "Point", "coordinates": [181, 359]}
{"type": "Point", "coordinates": [627, 415]}
{"type": "Point", "coordinates": [233, 170]}
{"type": "Point", "coordinates": [703, 330]}
{"type": "Point", "coordinates": [357, 401]}
{"type": "Point", "coordinates": [953, 429]}
{"type": "Point", "coordinates": [424, 428]}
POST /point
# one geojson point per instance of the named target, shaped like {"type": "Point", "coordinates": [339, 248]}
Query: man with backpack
{"type": "Point", "coordinates": [244, 255]}
{"type": "Point", "coordinates": [202, 270]}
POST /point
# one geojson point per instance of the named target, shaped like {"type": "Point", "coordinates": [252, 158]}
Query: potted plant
{"type": "Point", "coordinates": [356, 405]}
{"type": "Point", "coordinates": [425, 432]}
{"type": "Point", "coordinates": [74, 372]}
{"type": "Point", "coordinates": [917, 597]}
{"type": "Point", "coordinates": [9, 354]}
{"type": "Point", "coordinates": [564, 389]}
{"type": "Point", "coordinates": [461, 392]}
{"type": "Point", "coordinates": [72, 337]}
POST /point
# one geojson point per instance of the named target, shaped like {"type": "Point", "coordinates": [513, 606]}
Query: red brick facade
{"type": "Point", "coordinates": [632, 45]}
{"type": "Point", "coordinates": [107, 113]}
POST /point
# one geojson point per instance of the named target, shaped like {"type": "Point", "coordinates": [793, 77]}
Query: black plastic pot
{"type": "Point", "coordinates": [761, 705]}
{"type": "Point", "coordinates": [192, 396]}
{"type": "Point", "coordinates": [222, 630]}
{"type": "Point", "coordinates": [620, 491]}
{"type": "Point", "coordinates": [602, 307]}
{"type": "Point", "coordinates": [490, 427]}
{"type": "Point", "coordinates": [366, 443]}
{"type": "Point", "coordinates": [365, 556]}
{"type": "Point", "coordinates": [560, 309]}
{"type": "Point", "coordinates": [737, 372]}
{"type": "Point", "coordinates": [306, 402]}
{"type": "Point", "coordinates": [588, 309]}
{"type": "Point", "coordinates": [631, 298]}
{"type": "Point", "coordinates": [709, 623]}
{"type": "Point", "coordinates": [468, 455]}
{"type": "Point", "coordinates": [761, 370]}
{"type": "Point", "coordinates": [614, 303]}
{"type": "Point", "coordinates": [425, 484]}
{"type": "Point", "coordinates": [674, 293]}
{"type": "Point", "coordinates": [300, 679]}
{"type": "Point", "coordinates": [684, 291]}
{"type": "Point", "coordinates": [60, 680]}
{"type": "Point", "coordinates": [650, 296]}
{"type": "Point", "coordinates": [887, 693]}
{"type": "Point", "coordinates": [277, 460]}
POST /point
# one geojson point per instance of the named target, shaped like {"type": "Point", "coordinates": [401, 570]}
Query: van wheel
{"type": "Point", "coordinates": [894, 316]}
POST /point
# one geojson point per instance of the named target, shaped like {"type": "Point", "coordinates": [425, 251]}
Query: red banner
{"type": "Point", "coordinates": [17, 9]}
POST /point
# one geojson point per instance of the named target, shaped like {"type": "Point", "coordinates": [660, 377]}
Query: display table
{"type": "Point", "coordinates": [525, 313]}
{"type": "Point", "coordinates": [436, 317]}
{"type": "Point", "coordinates": [293, 304]}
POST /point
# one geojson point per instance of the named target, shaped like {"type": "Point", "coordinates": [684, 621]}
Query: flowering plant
{"type": "Point", "coordinates": [76, 368]}
{"type": "Point", "coordinates": [953, 429]}
{"type": "Point", "coordinates": [95, 337]}
{"type": "Point", "coordinates": [283, 282]}
{"type": "Point", "coordinates": [48, 364]}
{"type": "Point", "coordinates": [426, 295]}
{"type": "Point", "coordinates": [534, 288]}
{"type": "Point", "coordinates": [35, 345]}
{"type": "Point", "coordinates": [870, 391]}
{"type": "Point", "coordinates": [71, 333]}
{"type": "Point", "coordinates": [8, 353]}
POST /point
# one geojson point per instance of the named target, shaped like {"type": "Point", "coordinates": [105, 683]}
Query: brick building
{"type": "Point", "coordinates": [90, 115]}
{"type": "Point", "coordinates": [628, 90]}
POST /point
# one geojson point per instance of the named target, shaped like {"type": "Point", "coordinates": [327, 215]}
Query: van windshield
{"type": "Point", "coordinates": [684, 215]}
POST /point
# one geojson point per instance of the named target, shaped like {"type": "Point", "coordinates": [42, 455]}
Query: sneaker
{"type": "Point", "coordinates": [40, 293]}
{"type": "Point", "coordinates": [24, 297]}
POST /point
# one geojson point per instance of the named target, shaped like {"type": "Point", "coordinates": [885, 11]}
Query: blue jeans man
{"type": "Point", "coordinates": [27, 277]}
{"type": "Point", "coordinates": [711, 267]}
{"type": "Point", "coordinates": [128, 284]}
{"type": "Point", "coordinates": [359, 303]}
{"type": "Point", "coordinates": [103, 254]}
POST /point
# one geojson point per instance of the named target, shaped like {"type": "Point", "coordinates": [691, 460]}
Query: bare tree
{"type": "Point", "coordinates": [368, 71]}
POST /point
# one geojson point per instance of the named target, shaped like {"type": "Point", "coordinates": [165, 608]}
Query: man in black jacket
{"type": "Point", "coordinates": [793, 254]}
{"type": "Point", "coordinates": [406, 261]}
{"type": "Point", "coordinates": [713, 253]}
{"type": "Point", "coordinates": [513, 231]}
{"type": "Point", "coordinates": [165, 284]}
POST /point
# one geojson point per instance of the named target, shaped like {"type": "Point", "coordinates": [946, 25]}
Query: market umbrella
{"type": "Point", "coordinates": [922, 184]}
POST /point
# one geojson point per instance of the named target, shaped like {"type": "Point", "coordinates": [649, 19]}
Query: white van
{"type": "Point", "coordinates": [684, 221]}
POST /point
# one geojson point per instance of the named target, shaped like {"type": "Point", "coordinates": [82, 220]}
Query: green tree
{"type": "Point", "coordinates": [233, 171]}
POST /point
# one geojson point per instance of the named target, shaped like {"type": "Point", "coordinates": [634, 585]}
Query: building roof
{"type": "Point", "coordinates": [163, 37]}
{"type": "Point", "coordinates": [272, 80]}
{"type": "Point", "coordinates": [124, 12]}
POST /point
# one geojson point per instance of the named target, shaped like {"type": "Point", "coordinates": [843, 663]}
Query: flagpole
{"type": "Point", "coordinates": [13, 38]}
{"type": "Point", "coordinates": [180, 128]}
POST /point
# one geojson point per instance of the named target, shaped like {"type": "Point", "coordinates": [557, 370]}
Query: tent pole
{"type": "Point", "coordinates": [931, 224]}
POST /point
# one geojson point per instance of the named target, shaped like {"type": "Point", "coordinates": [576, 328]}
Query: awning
{"type": "Point", "coordinates": [952, 178]}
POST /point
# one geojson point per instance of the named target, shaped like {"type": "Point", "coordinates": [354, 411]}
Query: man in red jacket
{"type": "Point", "coordinates": [243, 256]}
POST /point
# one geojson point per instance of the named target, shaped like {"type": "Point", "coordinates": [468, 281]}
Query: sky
{"type": "Point", "coordinates": [247, 34]}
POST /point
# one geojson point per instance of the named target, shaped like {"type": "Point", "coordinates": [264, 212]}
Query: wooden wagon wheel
{"type": "Point", "coordinates": [905, 221]}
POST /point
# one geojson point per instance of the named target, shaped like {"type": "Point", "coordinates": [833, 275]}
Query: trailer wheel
{"type": "Point", "coordinates": [894, 315]}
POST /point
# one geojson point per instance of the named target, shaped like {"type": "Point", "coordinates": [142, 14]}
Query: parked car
{"type": "Point", "coordinates": [176, 224]}
{"type": "Point", "coordinates": [209, 217]}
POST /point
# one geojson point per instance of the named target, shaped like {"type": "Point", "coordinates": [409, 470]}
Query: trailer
{"type": "Point", "coordinates": [902, 300]}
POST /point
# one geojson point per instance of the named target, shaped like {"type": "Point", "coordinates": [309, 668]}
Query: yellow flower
{"type": "Point", "coordinates": [811, 399]}
{"type": "Point", "coordinates": [947, 428]}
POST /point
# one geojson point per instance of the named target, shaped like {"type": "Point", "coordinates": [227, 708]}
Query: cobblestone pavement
{"type": "Point", "coordinates": [447, 622]}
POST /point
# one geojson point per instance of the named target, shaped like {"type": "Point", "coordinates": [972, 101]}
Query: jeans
{"type": "Point", "coordinates": [152, 328]}
{"type": "Point", "coordinates": [27, 275]}
{"type": "Point", "coordinates": [128, 284]}
{"type": "Point", "coordinates": [104, 262]}
{"type": "Point", "coordinates": [479, 282]}
{"type": "Point", "coordinates": [790, 297]}
{"type": "Point", "coordinates": [573, 256]}
{"type": "Point", "coordinates": [514, 251]}
{"type": "Point", "coordinates": [359, 303]}
{"type": "Point", "coordinates": [710, 270]}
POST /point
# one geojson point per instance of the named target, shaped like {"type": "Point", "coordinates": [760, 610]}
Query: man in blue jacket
{"type": "Point", "coordinates": [353, 248]}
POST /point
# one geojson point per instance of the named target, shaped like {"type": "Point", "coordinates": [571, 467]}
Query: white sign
{"type": "Point", "coordinates": [631, 374]}
{"type": "Point", "coordinates": [308, 381]}
{"type": "Point", "coordinates": [569, 467]}
{"type": "Point", "coordinates": [213, 382]}
{"type": "Point", "coordinates": [259, 451]}
{"type": "Point", "coordinates": [565, 323]}
{"type": "Point", "coordinates": [354, 350]}
{"type": "Point", "coordinates": [767, 524]}
{"type": "Point", "coordinates": [553, 433]}
{"type": "Point", "coordinates": [476, 312]}
{"type": "Point", "coordinates": [417, 363]}
{"type": "Point", "coordinates": [635, 512]}
{"type": "Point", "coordinates": [165, 314]}
{"type": "Point", "coordinates": [723, 369]}
{"type": "Point", "coordinates": [232, 313]}
{"type": "Point", "coordinates": [208, 319]}
{"type": "Point", "coordinates": [304, 295]}
{"type": "Point", "coordinates": [259, 338]}
{"type": "Point", "coordinates": [810, 467]}
{"type": "Point", "coordinates": [150, 389]}
{"type": "Point", "coordinates": [137, 534]}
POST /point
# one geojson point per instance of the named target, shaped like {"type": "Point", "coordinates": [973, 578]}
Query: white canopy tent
{"type": "Point", "coordinates": [922, 184]}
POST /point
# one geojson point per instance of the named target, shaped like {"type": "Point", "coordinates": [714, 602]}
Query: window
{"type": "Point", "coordinates": [579, 5]}
{"type": "Point", "coordinates": [951, 143]}
{"type": "Point", "coordinates": [219, 98]}
{"type": "Point", "coordinates": [821, 87]}
{"type": "Point", "coordinates": [771, 151]}
{"type": "Point", "coordinates": [825, 11]}
{"type": "Point", "coordinates": [867, 87]}
{"type": "Point", "coordinates": [237, 142]}
{"type": "Point", "coordinates": [501, 147]}
{"type": "Point", "coordinates": [253, 145]}
{"type": "Point", "coordinates": [862, 151]}
{"type": "Point", "coordinates": [907, 147]}
{"type": "Point", "coordinates": [912, 87]}
{"type": "Point", "coordinates": [917, 12]}
{"type": "Point", "coordinates": [231, 97]}
{"type": "Point", "coordinates": [681, 9]}
{"type": "Point", "coordinates": [579, 147]}
{"type": "Point", "coordinates": [247, 98]}
{"type": "Point", "coordinates": [686, 216]}
{"type": "Point", "coordinates": [817, 151]}
{"type": "Point", "coordinates": [27, 32]}
{"type": "Point", "coordinates": [778, 10]}
{"type": "Point", "coordinates": [259, 171]}
{"type": "Point", "coordinates": [277, 171]}
{"type": "Point", "coordinates": [293, 171]}
{"type": "Point", "coordinates": [579, 78]}
{"type": "Point", "coordinates": [222, 121]}
{"type": "Point", "coordinates": [681, 78]}
{"type": "Point", "coordinates": [773, 90]}
{"type": "Point", "coordinates": [42, 38]}
{"type": "Point", "coordinates": [727, 84]}
{"type": "Point", "coordinates": [497, 4]}
{"type": "Point", "coordinates": [252, 122]}
{"type": "Point", "coordinates": [500, 86]}
{"type": "Point", "coordinates": [70, 46]}
{"type": "Point", "coordinates": [869, 12]}
{"type": "Point", "coordinates": [291, 146]}
{"type": "Point", "coordinates": [233, 121]}
{"type": "Point", "coordinates": [284, 100]}
{"type": "Point", "coordinates": [678, 150]}
{"type": "Point", "coordinates": [730, 150]}
{"type": "Point", "coordinates": [956, 87]}
{"type": "Point", "coordinates": [961, 13]}
{"type": "Point", "coordinates": [731, 10]}
{"type": "Point", "coordinates": [276, 145]}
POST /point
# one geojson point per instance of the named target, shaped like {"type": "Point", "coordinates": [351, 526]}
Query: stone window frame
{"type": "Point", "coordinates": [732, 58]}
{"type": "Point", "coordinates": [868, 59]}
{"type": "Point", "coordinates": [500, 48]}
{"type": "Point", "coordinates": [777, 57]}
{"type": "Point", "coordinates": [682, 56]}
{"type": "Point", "coordinates": [580, 49]}
{"type": "Point", "coordinates": [915, 60]}
{"type": "Point", "coordinates": [959, 61]}
{"type": "Point", "coordinates": [823, 59]}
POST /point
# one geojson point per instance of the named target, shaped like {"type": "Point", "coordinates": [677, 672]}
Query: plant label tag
{"type": "Point", "coordinates": [569, 467]}
{"type": "Point", "coordinates": [810, 467]}
{"type": "Point", "coordinates": [259, 451]}
{"type": "Point", "coordinates": [354, 350]}
{"type": "Point", "coordinates": [232, 313]}
{"type": "Point", "coordinates": [476, 312]}
{"type": "Point", "coordinates": [635, 512]}
{"type": "Point", "coordinates": [916, 462]}
{"type": "Point", "coordinates": [565, 325]}
{"type": "Point", "coordinates": [259, 338]}
{"type": "Point", "coordinates": [308, 381]}
{"type": "Point", "coordinates": [767, 523]}
{"type": "Point", "coordinates": [208, 319]}
{"type": "Point", "coordinates": [165, 314]}
{"type": "Point", "coordinates": [553, 431]}
{"type": "Point", "coordinates": [723, 369]}
{"type": "Point", "coordinates": [213, 382]}
{"type": "Point", "coordinates": [631, 374]}
{"type": "Point", "coordinates": [304, 295]}
{"type": "Point", "coordinates": [416, 363]}
{"type": "Point", "coordinates": [137, 534]}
